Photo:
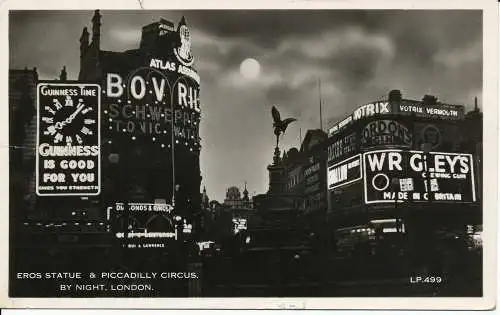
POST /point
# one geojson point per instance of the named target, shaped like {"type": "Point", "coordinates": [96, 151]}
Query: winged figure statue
{"type": "Point", "coordinates": [279, 125]}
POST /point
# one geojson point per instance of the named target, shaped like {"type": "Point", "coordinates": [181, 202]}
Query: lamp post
{"type": "Point", "coordinates": [114, 158]}
{"type": "Point", "coordinates": [428, 254]}
{"type": "Point", "coordinates": [426, 148]}
{"type": "Point", "coordinates": [396, 187]}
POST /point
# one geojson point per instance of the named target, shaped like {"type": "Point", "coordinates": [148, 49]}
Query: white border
{"type": "Point", "coordinates": [473, 178]}
{"type": "Point", "coordinates": [37, 175]}
{"type": "Point", "coordinates": [490, 135]}
{"type": "Point", "coordinates": [343, 162]}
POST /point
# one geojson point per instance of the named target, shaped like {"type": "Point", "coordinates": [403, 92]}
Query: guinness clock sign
{"type": "Point", "coordinates": [68, 139]}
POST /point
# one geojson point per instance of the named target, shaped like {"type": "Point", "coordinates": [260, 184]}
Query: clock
{"type": "Point", "coordinates": [69, 123]}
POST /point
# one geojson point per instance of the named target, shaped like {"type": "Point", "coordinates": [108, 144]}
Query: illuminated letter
{"type": "Point", "coordinates": [383, 108]}
{"type": "Point", "coordinates": [417, 166]}
{"type": "Point", "coordinates": [464, 165]}
{"type": "Point", "coordinates": [359, 113]}
{"type": "Point", "coordinates": [395, 161]}
{"type": "Point", "coordinates": [439, 163]}
{"type": "Point", "coordinates": [375, 162]}
{"type": "Point", "coordinates": [42, 147]}
{"type": "Point", "coordinates": [124, 111]}
{"type": "Point", "coordinates": [181, 94]}
{"type": "Point", "coordinates": [133, 89]}
{"type": "Point", "coordinates": [370, 110]}
{"type": "Point", "coordinates": [113, 110]}
{"type": "Point", "coordinates": [452, 162]}
{"type": "Point", "coordinates": [159, 90]}
{"type": "Point", "coordinates": [114, 81]}
{"type": "Point", "coordinates": [140, 112]}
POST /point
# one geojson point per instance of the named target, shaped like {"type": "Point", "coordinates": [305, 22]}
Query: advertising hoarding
{"type": "Point", "coordinates": [68, 158]}
{"type": "Point", "coordinates": [149, 224]}
{"type": "Point", "coordinates": [148, 104]}
{"type": "Point", "coordinates": [441, 136]}
{"type": "Point", "coordinates": [404, 108]}
{"type": "Point", "coordinates": [344, 146]}
{"type": "Point", "coordinates": [344, 172]}
{"type": "Point", "coordinates": [154, 101]}
{"type": "Point", "coordinates": [145, 207]}
{"type": "Point", "coordinates": [432, 177]}
{"type": "Point", "coordinates": [363, 111]}
{"type": "Point", "coordinates": [419, 109]}
{"type": "Point", "coordinates": [386, 132]}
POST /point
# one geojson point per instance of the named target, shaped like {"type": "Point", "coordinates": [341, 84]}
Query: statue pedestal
{"type": "Point", "coordinates": [277, 179]}
{"type": "Point", "coordinates": [277, 175]}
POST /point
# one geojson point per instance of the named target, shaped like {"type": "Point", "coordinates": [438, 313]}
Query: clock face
{"type": "Point", "coordinates": [68, 120]}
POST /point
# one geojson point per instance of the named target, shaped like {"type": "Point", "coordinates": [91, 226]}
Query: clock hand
{"type": "Point", "coordinates": [72, 116]}
{"type": "Point", "coordinates": [60, 124]}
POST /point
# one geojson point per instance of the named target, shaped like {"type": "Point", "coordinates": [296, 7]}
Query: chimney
{"type": "Point", "coordinates": [475, 104]}
{"type": "Point", "coordinates": [395, 96]}
{"type": "Point", "coordinates": [64, 75]}
{"type": "Point", "coordinates": [429, 100]}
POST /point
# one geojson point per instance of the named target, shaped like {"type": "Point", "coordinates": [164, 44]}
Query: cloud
{"type": "Point", "coordinates": [359, 55]}
{"type": "Point", "coordinates": [125, 37]}
{"type": "Point", "coordinates": [455, 58]}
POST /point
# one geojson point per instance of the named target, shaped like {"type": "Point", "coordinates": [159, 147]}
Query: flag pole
{"type": "Point", "coordinates": [320, 106]}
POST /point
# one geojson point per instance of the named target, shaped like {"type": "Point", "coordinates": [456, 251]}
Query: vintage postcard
{"type": "Point", "coordinates": [308, 155]}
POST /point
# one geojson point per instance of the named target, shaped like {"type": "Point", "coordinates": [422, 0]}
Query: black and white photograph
{"type": "Point", "coordinates": [236, 153]}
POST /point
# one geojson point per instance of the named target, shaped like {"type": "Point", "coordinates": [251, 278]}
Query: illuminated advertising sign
{"type": "Point", "coordinates": [156, 99]}
{"type": "Point", "coordinates": [150, 224]}
{"type": "Point", "coordinates": [148, 104]}
{"type": "Point", "coordinates": [205, 244]}
{"type": "Point", "coordinates": [68, 139]}
{"type": "Point", "coordinates": [165, 27]}
{"type": "Point", "coordinates": [239, 224]}
{"type": "Point", "coordinates": [145, 207]}
{"type": "Point", "coordinates": [386, 132]}
{"type": "Point", "coordinates": [363, 111]}
{"type": "Point", "coordinates": [405, 108]}
{"type": "Point", "coordinates": [339, 126]}
{"type": "Point", "coordinates": [449, 175]}
{"type": "Point", "coordinates": [147, 235]}
{"type": "Point", "coordinates": [345, 146]}
{"type": "Point", "coordinates": [418, 109]}
{"type": "Point", "coordinates": [368, 110]}
{"type": "Point", "coordinates": [345, 172]}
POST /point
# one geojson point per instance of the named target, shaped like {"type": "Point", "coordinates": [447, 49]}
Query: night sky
{"type": "Point", "coordinates": [358, 55]}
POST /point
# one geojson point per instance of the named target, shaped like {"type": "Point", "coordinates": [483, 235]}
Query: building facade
{"type": "Point", "coordinates": [150, 125]}
{"type": "Point", "coordinates": [400, 175]}
{"type": "Point", "coordinates": [149, 149]}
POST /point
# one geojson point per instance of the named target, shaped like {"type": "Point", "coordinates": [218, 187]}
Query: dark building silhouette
{"type": "Point", "coordinates": [235, 200]}
{"type": "Point", "coordinates": [22, 139]}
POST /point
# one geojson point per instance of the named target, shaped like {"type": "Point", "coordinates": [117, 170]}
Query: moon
{"type": "Point", "coordinates": [250, 68]}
